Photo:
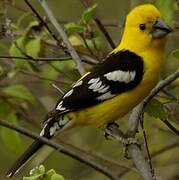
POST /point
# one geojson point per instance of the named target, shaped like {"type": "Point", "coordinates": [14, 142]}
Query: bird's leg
{"type": "Point", "coordinates": [107, 135]}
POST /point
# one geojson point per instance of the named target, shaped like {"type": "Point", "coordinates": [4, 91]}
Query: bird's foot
{"type": "Point", "coordinates": [107, 135]}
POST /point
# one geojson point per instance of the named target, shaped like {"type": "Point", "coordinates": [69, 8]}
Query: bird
{"type": "Point", "coordinates": [114, 86]}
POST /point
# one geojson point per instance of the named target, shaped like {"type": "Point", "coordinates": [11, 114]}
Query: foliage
{"type": "Point", "coordinates": [39, 173]}
{"type": "Point", "coordinates": [167, 9]}
{"type": "Point", "coordinates": [10, 138]}
{"type": "Point", "coordinates": [83, 28]}
{"type": "Point", "coordinates": [156, 109]}
{"type": "Point", "coordinates": [19, 92]}
{"type": "Point", "coordinates": [88, 14]}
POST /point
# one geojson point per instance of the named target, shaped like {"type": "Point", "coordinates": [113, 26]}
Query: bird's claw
{"type": "Point", "coordinates": [106, 135]}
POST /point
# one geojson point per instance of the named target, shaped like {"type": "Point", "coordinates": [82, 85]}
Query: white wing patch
{"type": "Point", "coordinates": [78, 84]}
{"type": "Point", "coordinates": [54, 129]}
{"type": "Point", "coordinates": [103, 89]}
{"type": "Point", "coordinates": [93, 80]}
{"type": "Point", "coordinates": [121, 76]}
{"type": "Point", "coordinates": [43, 130]}
{"type": "Point", "coordinates": [60, 106]}
{"type": "Point", "coordinates": [105, 96]}
{"type": "Point", "coordinates": [96, 85]}
{"type": "Point", "coordinates": [69, 93]}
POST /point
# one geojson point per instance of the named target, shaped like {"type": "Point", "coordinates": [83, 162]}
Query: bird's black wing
{"type": "Point", "coordinates": [120, 72]}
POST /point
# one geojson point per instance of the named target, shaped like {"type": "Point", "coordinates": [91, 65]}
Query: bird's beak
{"type": "Point", "coordinates": [160, 29]}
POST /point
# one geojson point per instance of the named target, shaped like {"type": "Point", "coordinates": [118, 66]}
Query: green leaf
{"type": "Point", "coordinates": [31, 25]}
{"type": "Point", "coordinates": [38, 170]}
{"type": "Point", "coordinates": [34, 177]}
{"type": "Point", "coordinates": [71, 28]}
{"type": "Point", "coordinates": [16, 51]}
{"type": "Point", "coordinates": [52, 175]}
{"type": "Point", "coordinates": [4, 110]}
{"type": "Point", "coordinates": [12, 73]}
{"type": "Point", "coordinates": [76, 41]}
{"type": "Point", "coordinates": [33, 47]}
{"type": "Point", "coordinates": [166, 8]}
{"type": "Point", "coordinates": [20, 92]}
{"type": "Point", "coordinates": [88, 14]}
{"type": "Point", "coordinates": [39, 173]}
{"type": "Point", "coordinates": [175, 53]}
{"type": "Point", "coordinates": [51, 73]}
{"type": "Point", "coordinates": [57, 177]}
{"type": "Point", "coordinates": [10, 137]}
{"type": "Point", "coordinates": [49, 174]}
{"type": "Point", "coordinates": [156, 109]}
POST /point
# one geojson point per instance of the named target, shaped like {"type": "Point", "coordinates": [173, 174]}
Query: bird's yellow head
{"type": "Point", "coordinates": [144, 29]}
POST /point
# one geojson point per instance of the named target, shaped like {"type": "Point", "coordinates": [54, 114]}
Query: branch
{"type": "Point", "coordinates": [133, 149]}
{"type": "Point", "coordinates": [137, 112]}
{"type": "Point", "coordinates": [63, 35]}
{"type": "Point", "coordinates": [86, 59]}
{"type": "Point", "coordinates": [100, 25]}
{"type": "Point", "coordinates": [61, 149]}
{"type": "Point", "coordinates": [47, 59]}
{"type": "Point", "coordinates": [134, 152]}
{"type": "Point", "coordinates": [162, 84]}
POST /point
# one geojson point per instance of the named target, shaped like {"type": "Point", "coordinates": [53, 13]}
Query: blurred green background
{"type": "Point", "coordinates": [27, 93]}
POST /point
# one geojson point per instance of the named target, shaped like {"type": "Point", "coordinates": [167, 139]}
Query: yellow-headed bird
{"type": "Point", "coordinates": [114, 86]}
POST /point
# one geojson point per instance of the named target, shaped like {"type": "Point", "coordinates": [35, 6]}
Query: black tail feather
{"type": "Point", "coordinates": [46, 132]}
{"type": "Point", "coordinates": [32, 149]}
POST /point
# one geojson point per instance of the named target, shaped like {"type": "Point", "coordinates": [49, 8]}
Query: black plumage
{"type": "Point", "coordinates": [83, 97]}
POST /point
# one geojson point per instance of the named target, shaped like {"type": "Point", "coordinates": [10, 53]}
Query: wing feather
{"type": "Point", "coordinates": [119, 73]}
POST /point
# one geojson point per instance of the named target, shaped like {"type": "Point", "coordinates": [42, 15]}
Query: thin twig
{"type": "Point", "coordinates": [177, 1]}
{"type": "Point", "coordinates": [100, 25]}
{"type": "Point", "coordinates": [87, 46]}
{"type": "Point", "coordinates": [161, 85]}
{"type": "Point", "coordinates": [35, 68]}
{"type": "Point", "coordinates": [56, 87]}
{"type": "Point", "coordinates": [63, 35]}
{"type": "Point", "coordinates": [47, 59]}
{"type": "Point", "coordinates": [43, 23]}
{"type": "Point", "coordinates": [138, 110]}
{"type": "Point", "coordinates": [146, 145]}
{"type": "Point", "coordinates": [171, 127]}
{"type": "Point", "coordinates": [86, 59]}
{"type": "Point", "coordinates": [61, 149]}
{"type": "Point", "coordinates": [164, 149]}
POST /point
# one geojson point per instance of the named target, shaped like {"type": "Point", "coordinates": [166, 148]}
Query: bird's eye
{"type": "Point", "coordinates": [142, 27]}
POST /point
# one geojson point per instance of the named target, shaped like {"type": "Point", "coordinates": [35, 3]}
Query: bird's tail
{"type": "Point", "coordinates": [32, 149]}
{"type": "Point", "coordinates": [54, 124]}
